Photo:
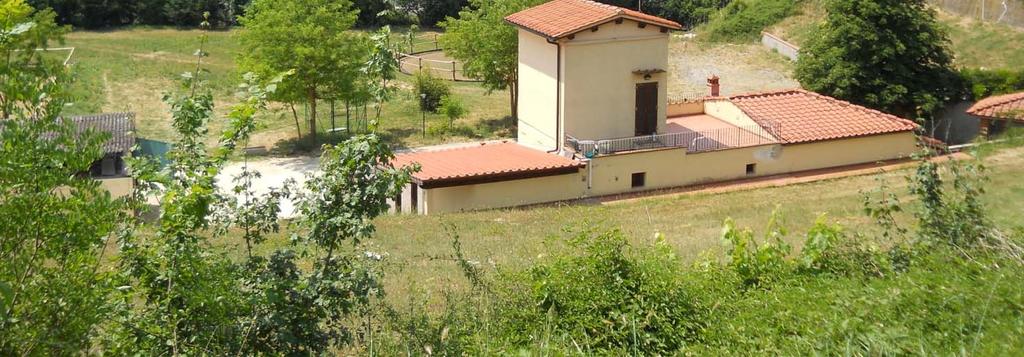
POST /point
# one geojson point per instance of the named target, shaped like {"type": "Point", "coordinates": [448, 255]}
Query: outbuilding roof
{"type": "Point", "coordinates": [1007, 106]}
{"type": "Point", "coordinates": [802, 116]}
{"type": "Point", "coordinates": [484, 163]}
{"type": "Point", "coordinates": [560, 18]}
{"type": "Point", "coordinates": [119, 125]}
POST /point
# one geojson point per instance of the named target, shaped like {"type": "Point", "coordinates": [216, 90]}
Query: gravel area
{"type": "Point", "coordinates": [742, 68]}
{"type": "Point", "coordinates": [274, 172]}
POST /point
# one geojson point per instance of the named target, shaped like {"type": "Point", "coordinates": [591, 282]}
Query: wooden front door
{"type": "Point", "coordinates": [646, 108]}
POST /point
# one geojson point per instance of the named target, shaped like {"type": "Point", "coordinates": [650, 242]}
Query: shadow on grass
{"type": "Point", "coordinates": [397, 137]}
{"type": "Point", "coordinates": [303, 145]}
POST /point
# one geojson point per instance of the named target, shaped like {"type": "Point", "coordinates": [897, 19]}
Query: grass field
{"type": "Point", "coordinates": [131, 69]}
{"type": "Point", "coordinates": [418, 245]}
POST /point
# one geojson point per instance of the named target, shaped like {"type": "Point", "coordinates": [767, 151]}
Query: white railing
{"type": "Point", "coordinates": [693, 141]}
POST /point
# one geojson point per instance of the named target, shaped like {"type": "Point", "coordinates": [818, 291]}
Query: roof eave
{"type": "Point", "coordinates": [495, 177]}
{"type": "Point", "coordinates": [578, 29]}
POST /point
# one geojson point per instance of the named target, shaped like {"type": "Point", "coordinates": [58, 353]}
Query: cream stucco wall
{"type": "Point", "coordinates": [728, 112]}
{"type": "Point", "coordinates": [674, 168]}
{"type": "Point", "coordinates": [684, 108]}
{"type": "Point", "coordinates": [599, 95]}
{"type": "Point", "coordinates": [667, 168]}
{"type": "Point", "coordinates": [538, 71]}
{"type": "Point", "coordinates": [832, 153]}
{"type": "Point", "coordinates": [503, 194]}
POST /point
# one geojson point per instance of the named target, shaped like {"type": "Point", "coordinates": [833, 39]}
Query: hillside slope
{"type": "Point", "coordinates": [975, 43]}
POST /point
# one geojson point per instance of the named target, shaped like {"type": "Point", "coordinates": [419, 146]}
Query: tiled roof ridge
{"type": "Point", "coordinates": [593, 14]}
{"type": "Point", "coordinates": [493, 172]}
{"type": "Point", "coordinates": [537, 167]}
{"type": "Point", "coordinates": [458, 148]}
{"type": "Point", "coordinates": [821, 96]}
{"type": "Point", "coordinates": [997, 100]}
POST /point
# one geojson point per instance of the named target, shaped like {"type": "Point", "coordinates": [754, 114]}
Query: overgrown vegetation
{"type": "Point", "coordinates": [981, 83]}
{"type": "Point", "coordinates": [946, 285]}
{"type": "Point", "coordinates": [743, 20]}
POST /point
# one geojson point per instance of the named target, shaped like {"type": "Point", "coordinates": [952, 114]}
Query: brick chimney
{"type": "Point", "coordinates": [715, 87]}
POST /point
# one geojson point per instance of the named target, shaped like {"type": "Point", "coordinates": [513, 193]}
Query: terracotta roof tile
{"type": "Point", "coordinates": [559, 18]}
{"type": "Point", "coordinates": [494, 162]}
{"type": "Point", "coordinates": [1007, 106]}
{"type": "Point", "coordinates": [802, 116]}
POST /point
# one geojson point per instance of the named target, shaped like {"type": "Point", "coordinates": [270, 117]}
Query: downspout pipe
{"type": "Point", "coordinates": [558, 95]}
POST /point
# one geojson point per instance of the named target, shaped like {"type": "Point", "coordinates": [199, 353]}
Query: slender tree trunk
{"type": "Point", "coordinates": [333, 126]}
{"type": "Point", "coordinates": [298, 129]}
{"type": "Point", "coordinates": [380, 102]}
{"type": "Point", "coordinates": [348, 117]}
{"type": "Point", "coordinates": [311, 97]}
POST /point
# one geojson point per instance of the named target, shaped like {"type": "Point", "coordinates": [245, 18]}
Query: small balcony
{"type": "Point", "coordinates": [697, 133]}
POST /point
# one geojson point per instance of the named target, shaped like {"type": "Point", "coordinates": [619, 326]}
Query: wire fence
{"type": "Point", "coordinates": [1010, 12]}
{"type": "Point", "coordinates": [424, 53]}
{"type": "Point", "coordinates": [693, 141]}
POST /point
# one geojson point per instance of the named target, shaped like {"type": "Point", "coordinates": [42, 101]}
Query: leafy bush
{"type": "Point", "coordinates": [430, 90]}
{"type": "Point", "coordinates": [980, 83]}
{"type": "Point", "coordinates": [757, 264]}
{"type": "Point", "coordinates": [743, 20]}
{"type": "Point", "coordinates": [610, 300]}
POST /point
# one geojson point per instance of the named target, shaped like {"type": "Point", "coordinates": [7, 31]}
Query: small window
{"type": "Point", "coordinates": [638, 179]}
{"type": "Point", "coordinates": [751, 169]}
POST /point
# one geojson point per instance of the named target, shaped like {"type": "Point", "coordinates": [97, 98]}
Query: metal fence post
{"type": "Point", "coordinates": [453, 71]}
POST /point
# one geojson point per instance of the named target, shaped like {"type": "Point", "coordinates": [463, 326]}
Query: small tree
{"type": "Point", "coordinates": [486, 45]}
{"type": "Point", "coordinates": [886, 54]}
{"type": "Point", "coordinates": [381, 67]}
{"type": "Point", "coordinates": [430, 90]}
{"type": "Point", "coordinates": [452, 108]}
{"type": "Point", "coordinates": [308, 36]}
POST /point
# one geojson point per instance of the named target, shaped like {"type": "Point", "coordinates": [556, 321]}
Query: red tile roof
{"type": "Point", "coordinates": [484, 163]}
{"type": "Point", "coordinates": [802, 116]}
{"type": "Point", "coordinates": [560, 18]}
{"type": "Point", "coordinates": [1007, 106]}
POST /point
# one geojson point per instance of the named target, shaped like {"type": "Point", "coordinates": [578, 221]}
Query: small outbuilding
{"type": "Point", "coordinates": [594, 120]}
{"type": "Point", "coordinates": [998, 112]}
{"type": "Point", "coordinates": [110, 169]}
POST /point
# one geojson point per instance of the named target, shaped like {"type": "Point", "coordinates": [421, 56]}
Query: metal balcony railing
{"type": "Point", "coordinates": [693, 141]}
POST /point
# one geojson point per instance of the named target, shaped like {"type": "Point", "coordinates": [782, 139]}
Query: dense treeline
{"type": "Point", "coordinates": [223, 13]}
{"type": "Point", "coordinates": [95, 14]}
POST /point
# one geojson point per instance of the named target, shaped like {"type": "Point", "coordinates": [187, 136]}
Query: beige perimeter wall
{"type": "Point", "coordinates": [502, 194]}
{"type": "Point", "coordinates": [674, 168]}
{"type": "Point", "coordinates": [667, 169]}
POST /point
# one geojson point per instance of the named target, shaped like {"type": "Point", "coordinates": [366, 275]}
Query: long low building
{"type": "Point", "coordinates": [594, 121]}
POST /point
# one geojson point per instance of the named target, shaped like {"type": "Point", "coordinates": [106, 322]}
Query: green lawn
{"type": "Point", "coordinates": [131, 69]}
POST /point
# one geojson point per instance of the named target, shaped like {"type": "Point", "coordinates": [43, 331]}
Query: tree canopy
{"type": "Point", "coordinates": [310, 37]}
{"type": "Point", "coordinates": [485, 44]}
{"type": "Point", "coordinates": [886, 54]}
